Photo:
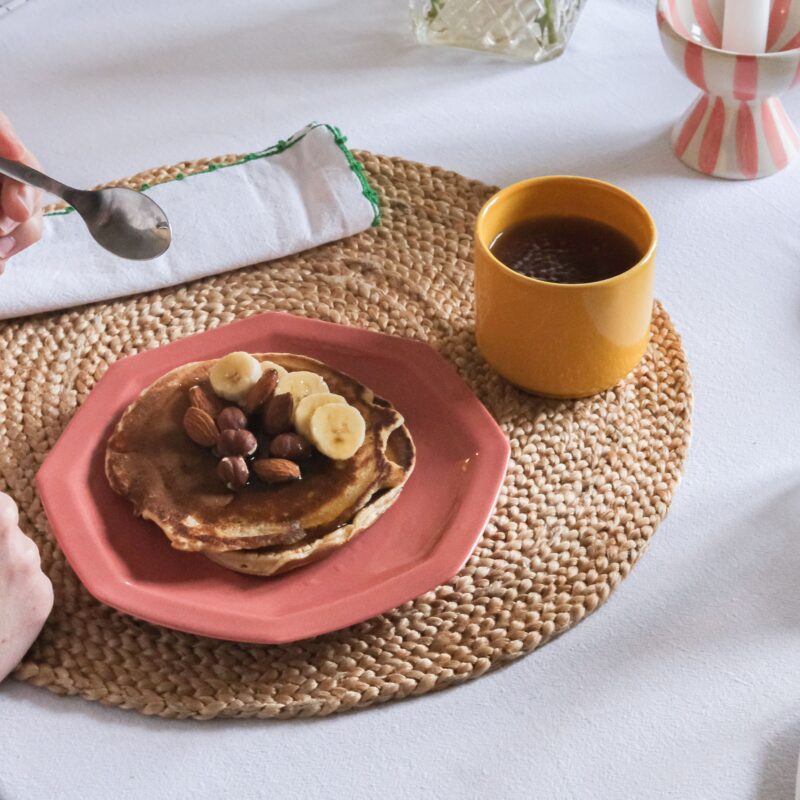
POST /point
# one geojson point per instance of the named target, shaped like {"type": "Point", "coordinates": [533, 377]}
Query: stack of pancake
{"type": "Point", "coordinates": [261, 529]}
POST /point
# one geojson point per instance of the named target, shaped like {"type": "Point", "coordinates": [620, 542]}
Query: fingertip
{"type": "Point", "coordinates": [25, 235]}
{"type": "Point", "coordinates": [7, 224]}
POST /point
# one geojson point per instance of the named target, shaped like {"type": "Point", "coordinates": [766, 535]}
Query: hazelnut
{"type": "Point", "coordinates": [231, 418]}
{"type": "Point", "coordinates": [236, 442]}
{"type": "Point", "coordinates": [290, 445]}
{"type": "Point", "coordinates": [233, 472]}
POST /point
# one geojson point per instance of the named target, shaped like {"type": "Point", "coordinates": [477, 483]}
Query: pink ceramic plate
{"type": "Point", "coordinates": [423, 540]}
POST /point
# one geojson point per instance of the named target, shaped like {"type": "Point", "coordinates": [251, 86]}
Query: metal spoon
{"type": "Point", "coordinates": [125, 222]}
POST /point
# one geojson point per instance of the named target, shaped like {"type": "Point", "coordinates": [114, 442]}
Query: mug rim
{"type": "Point", "coordinates": [522, 185]}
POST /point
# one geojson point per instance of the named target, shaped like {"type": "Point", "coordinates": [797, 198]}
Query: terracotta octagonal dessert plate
{"type": "Point", "coordinates": [422, 540]}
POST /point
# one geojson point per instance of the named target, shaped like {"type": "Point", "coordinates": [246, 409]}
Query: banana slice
{"type": "Point", "coordinates": [233, 375]}
{"type": "Point", "coordinates": [301, 384]}
{"type": "Point", "coordinates": [265, 365]}
{"type": "Point", "coordinates": [304, 410]}
{"type": "Point", "coordinates": [337, 430]}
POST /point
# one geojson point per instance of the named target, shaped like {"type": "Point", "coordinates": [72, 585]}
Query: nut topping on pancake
{"type": "Point", "coordinates": [237, 442]}
{"type": "Point", "coordinates": [276, 470]}
{"type": "Point", "coordinates": [205, 401]}
{"type": "Point", "coordinates": [290, 445]}
{"type": "Point", "coordinates": [277, 416]}
{"type": "Point", "coordinates": [286, 398]}
{"type": "Point", "coordinates": [199, 427]}
{"type": "Point", "coordinates": [231, 418]}
{"type": "Point", "coordinates": [233, 472]}
{"type": "Point", "coordinates": [261, 391]}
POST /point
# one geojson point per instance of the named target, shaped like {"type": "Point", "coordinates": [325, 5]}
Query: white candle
{"type": "Point", "coordinates": [745, 24]}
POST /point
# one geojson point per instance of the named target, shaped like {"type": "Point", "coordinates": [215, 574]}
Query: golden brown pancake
{"type": "Point", "coordinates": [261, 529]}
{"type": "Point", "coordinates": [282, 558]}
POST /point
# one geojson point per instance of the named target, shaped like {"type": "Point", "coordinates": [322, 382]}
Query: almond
{"type": "Point", "coordinates": [276, 470]}
{"type": "Point", "coordinates": [277, 414]}
{"type": "Point", "coordinates": [261, 391]}
{"type": "Point", "coordinates": [205, 401]}
{"type": "Point", "coordinates": [200, 427]}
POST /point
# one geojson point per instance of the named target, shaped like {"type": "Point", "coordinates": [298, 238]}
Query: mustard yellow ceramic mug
{"type": "Point", "coordinates": [563, 339]}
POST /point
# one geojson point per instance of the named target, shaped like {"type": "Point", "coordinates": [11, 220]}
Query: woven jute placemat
{"type": "Point", "coordinates": [587, 484]}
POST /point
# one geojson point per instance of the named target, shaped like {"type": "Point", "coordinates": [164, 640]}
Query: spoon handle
{"type": "Point", "coordinates": [31, 176]}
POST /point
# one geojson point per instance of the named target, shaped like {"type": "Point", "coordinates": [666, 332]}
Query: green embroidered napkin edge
{"type": "Point", "coordinates": [279, 147]}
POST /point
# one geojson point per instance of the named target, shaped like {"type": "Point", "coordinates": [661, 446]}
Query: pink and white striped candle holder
{"type": "Point", "coordinates": [737, 128]}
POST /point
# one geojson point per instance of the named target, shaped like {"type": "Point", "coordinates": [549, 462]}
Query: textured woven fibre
{"type": "Point", "coordinates": [587, 485]}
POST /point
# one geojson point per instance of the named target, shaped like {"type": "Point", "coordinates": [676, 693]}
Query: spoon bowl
{"type": "Point", "coordinates": [127, 223]}
{"type": "Point", "coordinates": [123, 221]}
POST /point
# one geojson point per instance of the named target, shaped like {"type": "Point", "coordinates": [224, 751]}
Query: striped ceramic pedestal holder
{"type": "Point", "coordinates": [737, 128]}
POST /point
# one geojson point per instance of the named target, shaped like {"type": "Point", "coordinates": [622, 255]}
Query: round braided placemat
{"type": "Point", "coordinates": [587, 484]}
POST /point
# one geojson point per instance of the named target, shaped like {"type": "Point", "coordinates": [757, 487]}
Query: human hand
{"type": "Point", "coordinates": [20, 212]}
{"type": "Point", "coordinates": [26, 594]}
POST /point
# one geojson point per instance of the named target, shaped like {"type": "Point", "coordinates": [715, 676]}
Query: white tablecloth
{"type": "Point", "coordinates": [686, 684]}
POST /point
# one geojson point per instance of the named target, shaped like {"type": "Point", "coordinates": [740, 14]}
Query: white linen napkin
{"type": "Point", "coordinates": [303, 192]}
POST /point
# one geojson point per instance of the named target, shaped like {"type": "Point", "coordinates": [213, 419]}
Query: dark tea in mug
{"type": "Point", "coordinates": [561, 249]}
